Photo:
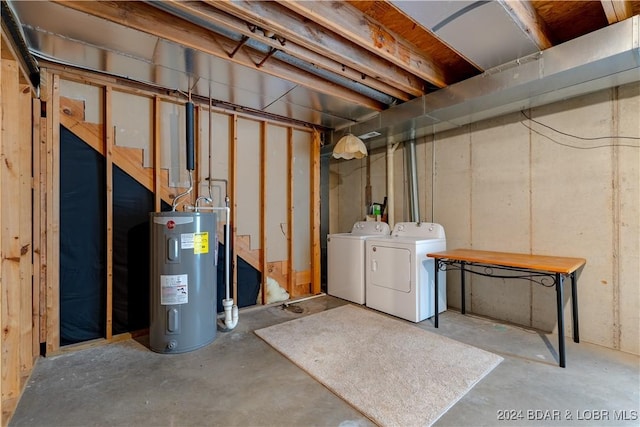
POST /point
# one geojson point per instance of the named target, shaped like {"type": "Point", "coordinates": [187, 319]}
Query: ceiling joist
{"type": "Point", "coordinates": [151, 20]}
{"type": "Point", "coordinates": [526, 17]}
{"type": "Point", "coordinates": [616, 10]}
{"type": "Point", "coordinates": [325, 62]}
{"type": "Point", "coordinates": [306, 33]}
{"type": "Point", "coordinates": [206, 14]}
{"type": "Point", "coordinates": [354, 25]}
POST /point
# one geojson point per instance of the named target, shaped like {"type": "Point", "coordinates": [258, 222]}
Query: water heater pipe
{"type": "Point", "coordinates": [185, 193]}
{"type": "Point", "coordinates": [391, 148]}
{"type": "Point", "coordinates": [230, 309]}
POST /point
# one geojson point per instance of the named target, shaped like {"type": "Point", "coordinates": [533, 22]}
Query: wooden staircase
{"type": "Point", "coordinates": [130, 160]}
{"type": "Point", "coordinates": [276, 270]}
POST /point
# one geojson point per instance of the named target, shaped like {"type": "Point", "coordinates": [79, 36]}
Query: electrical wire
{"type": "Point", "coordinates": [597, 138]}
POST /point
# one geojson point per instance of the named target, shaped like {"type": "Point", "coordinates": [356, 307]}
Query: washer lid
{"type": "Point", "coordinates": [422, 230]}
{"type": "Point", "coordinates": [370, 228]}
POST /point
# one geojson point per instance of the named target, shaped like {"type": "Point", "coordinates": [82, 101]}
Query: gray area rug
{"type": "Point", "coordinates": [392, 371]}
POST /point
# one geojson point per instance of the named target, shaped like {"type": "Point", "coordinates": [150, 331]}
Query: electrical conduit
{"type": "Point", "coordinates": [391, 148]}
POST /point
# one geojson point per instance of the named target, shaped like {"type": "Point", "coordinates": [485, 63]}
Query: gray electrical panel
{"type": "Point", "coordinates": [184, 258]}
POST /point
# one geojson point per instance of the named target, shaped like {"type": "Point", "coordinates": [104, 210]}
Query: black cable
{"type": "Point", "coordinates": [595, 138]}
{"type": "Point", "coordinates": [576, 147]}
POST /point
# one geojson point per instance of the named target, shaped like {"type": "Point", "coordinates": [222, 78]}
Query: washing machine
{"type": "Point", "coordinates": [399, 277]}
{"type": "Point", "coordinates": [346, 259]}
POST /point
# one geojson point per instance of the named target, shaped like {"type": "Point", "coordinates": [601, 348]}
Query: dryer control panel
{"type": "Point", "coordinates": [425, 230]}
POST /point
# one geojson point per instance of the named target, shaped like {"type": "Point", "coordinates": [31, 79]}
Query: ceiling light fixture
{"type": "Point", "coordinates": [349, 147]}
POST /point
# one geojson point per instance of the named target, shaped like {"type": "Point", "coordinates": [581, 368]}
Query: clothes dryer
{"type": "Point", "coordinates": [399, 277]}
{"type": "Point", "coordinates": [346, 260]}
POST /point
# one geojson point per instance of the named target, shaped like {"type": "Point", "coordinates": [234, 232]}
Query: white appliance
{"type": "Point", "coordinates": [400, 277]}
{"type": "Point", "coordinates": [346, 259]}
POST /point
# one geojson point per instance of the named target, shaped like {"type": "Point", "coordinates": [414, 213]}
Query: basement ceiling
{"type": "Point", "coordinates": [328, 64]}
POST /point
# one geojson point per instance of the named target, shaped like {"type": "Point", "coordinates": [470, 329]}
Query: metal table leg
{"type": "Point", "coordinates": [436, 269]}
{"type": "Point", "coordinates": [463, 308]}
{"type": "Point", "coordinates": [559, 300]}
{"type": "Point", "coordinates": [574, 305]}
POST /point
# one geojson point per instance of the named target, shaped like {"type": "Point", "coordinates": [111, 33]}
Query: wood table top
{"type": "Point", "coordinates": [553, 264]}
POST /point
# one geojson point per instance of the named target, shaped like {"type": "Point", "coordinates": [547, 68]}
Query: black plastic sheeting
{"type": "Point", "coordinates": [83, 248]}
{"type": "Point", "coordinates": [132, 203]}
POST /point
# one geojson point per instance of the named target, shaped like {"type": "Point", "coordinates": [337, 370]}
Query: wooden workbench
{"type": "Point", "coordinates": [542, 269]}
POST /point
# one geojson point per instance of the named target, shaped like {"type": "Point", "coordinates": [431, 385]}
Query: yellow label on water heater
{"type": "Point", "coordinates": [201, 243]}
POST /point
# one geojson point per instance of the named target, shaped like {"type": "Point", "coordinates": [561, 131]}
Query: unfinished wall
{"type": "Point", "coordinates": [142, 133]}
{"type": "Point", "coordinates": [213, 154]}
{"type": "Point", "coordinates": [347, 183]}
{"type": "Point", "coordinates": [302, 193]}
{"type": "Point", "coordinates": [276, 194]}
{"type": "Point", "coordinates": [18, 302]}
{"type": "Point", "coordinates": [511, 184]}
{"type": "Point", "coordinates": [247, 200]}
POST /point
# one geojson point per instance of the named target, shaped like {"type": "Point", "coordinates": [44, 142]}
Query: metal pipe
{"type": "Point", "coordinates": [280, 55]}
{"type": "Point", "coordinates": [391, 148]}
{"type": "Point", "coordinates": [205, 198]}
{"type": "Point", "coordinates": [227, 245]}
{"type": "Point", "coordinates": [184, 193]}
{"type": "Point", "coordinates": [210, 143]}
{"type": "Point", "coordinates": [412, 170]}
{"type": "Point", "coordinates": [13, 27]}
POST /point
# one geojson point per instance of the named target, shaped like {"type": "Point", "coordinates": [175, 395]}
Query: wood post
{"type": "Point", "coordinates": [314, 211]}
{"type": "Point", "coordinates": [108, 148]}
{"type": "Point", "coordinates": [52, 211]}
{"type": "Point", "coordinates": [291, 278]}
{"type": "Point", "coordinates": [263, 211]}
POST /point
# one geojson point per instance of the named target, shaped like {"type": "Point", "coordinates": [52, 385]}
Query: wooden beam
{"type": "Point", "coordinates": [527, 19]}
{"type": "Point", "coordinates": [219, 18]}
{"type": "Point", "coordinates": [36, 221]}
{"type": "Point", "coordinates": [10, 237]}
{"type": "Point", "coordinates": [314, 208]}
{"type": "Point", "coordinates": [617, 10]}
{"type": "Point", "coordinates": [233, 176]}
{"type": "Point", "coordinates": [355, 26]}
{"type": "Point", "coordinates": [263, 209]}
{"type": "Point", "coordinates": [42, 237]}
{"type": "Point", "coordinates": [133, 88]}
{"type": "Point", "coordinates": [53, 214]}
{"type": "Point", "coordinates": [25, 209]}
{"type": "Point", "coordinates": [393, 18]}
{"type": "Point", "coordinates": [8, 50]}
{"type": "Point", "coordinates": [108, 144]}
{"type": "Point", "coordinates": [157, 156]}
{"type": "Point", "coordinates": [306, 33]}
{"type": "Point", "coordinates": [146, 18]}
{"type": "Point", "coordinates": [290, 212]}
{"type": "Point", "coordinates": [196, 155]}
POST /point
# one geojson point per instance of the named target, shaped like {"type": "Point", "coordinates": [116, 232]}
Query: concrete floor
{"type": "Point", "coordinates": [239, 380]}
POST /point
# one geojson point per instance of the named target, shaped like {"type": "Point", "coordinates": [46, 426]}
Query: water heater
{"type": "Point", "coordinates": [183, 281]}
